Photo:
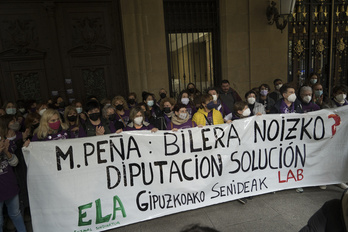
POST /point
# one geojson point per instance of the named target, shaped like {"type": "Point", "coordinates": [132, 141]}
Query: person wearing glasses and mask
{"type": "Point", "coordinates": [207, 114]}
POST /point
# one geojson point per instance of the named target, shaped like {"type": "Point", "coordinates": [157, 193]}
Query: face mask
{"type": "Point", "coordinates": [15, 126]}
{"type": "Point", "coordinates": [313, 81]}
{"type": "Point", "coordinates": [150, 103]}
{"type": "Point", "coordinates": [94, 116]}
{"type": "Point", "coordinates": [166, 110]}
{"type": "Point", "coordinates": [279, 86]}
{"type": "Point", "coordinates": [192, 90]}
{"type": "Point", "coordinates": [42, 111]}
{"type": "Point", "coordinates": [318, 93]}
{"type": "Point", "coordinates": [264, 92]}
{"type": "Point", "coordinates": [119, 107]}
{"type": "Point", "coordinates": [163, 95]}
{"type": "Point", "coordinates": [307, 99]}
{"type": "Point", "coordinates": [22, 110]}
{"type": "Point", "coordinates": [341, 97]}
{"type": "Point", "coordinates": [34, 126]}
{"type": "Point", "coordinates": [251, 100]}
{"type": "Point", "coordinates": [215, 97]}
{"type": "Point", "coordinates": [79, 110]}
{"type": "Point", "coordinates": [72, 118]}
{"type": "Point", "coordinates": [292, 97]}
{"type": "Point", "coordinates": [112, 117]}
{"type": "Point", "coordinates": [11, 111]}
{"type": "Point", "coordinates": [55, 125]}
{"type": "Point", "coordinates": [210, 105]}
{"type": "Point", "coordinates": [183, 116]}
{"type": "Point", "coordinates": [131, 101]}
{"type": "Point", "coordinates": [246, 112]}
{"type": "Point", "coordinates": [185, 100]}
{"type": "Point", "coordinates": [138, 120]}
{"type": "Point", "coordinates": [11, 138]}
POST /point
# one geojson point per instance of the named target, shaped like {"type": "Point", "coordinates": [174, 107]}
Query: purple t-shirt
{"type": "Point", "coordinates": [209, 120]}
{"type": "Point", "coordinates": [308, 107]}
{"type": "Point", "coordinates": [60, 135]}
{"type": "Point", "coordinates": [8, 183]}
{"type": "Point", "coordinates": [80, 133]}
{"type": "Point", "coordinates": [123, 118]}
{"type": "Point", "coordinates": [284, 109]}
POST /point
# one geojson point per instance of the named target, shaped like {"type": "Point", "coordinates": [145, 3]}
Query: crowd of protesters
{"type": "Point", "coordinates": [23, 122]}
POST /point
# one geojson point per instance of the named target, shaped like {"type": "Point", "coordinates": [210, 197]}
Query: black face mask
{"type": "Point", "coordinates": [192, 90]}
{"type": "Point", "coordinates": [94, 116]}
{"type": "Point", "coordinates": [72, 118]}
{"type": "Point", "coordinates": [112, 117]}
{"type": "Point", "coordinates": [119, 107]}
{"type": "Point", "coordinates": [166, 110]}
{"type": "Point", "coordinates": [131, 101]}
{"type": "Point", "coordinates": [163, 95]}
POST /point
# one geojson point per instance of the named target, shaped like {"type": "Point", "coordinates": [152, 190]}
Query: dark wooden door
{"type": "Point", "coordinates": [70, 48]}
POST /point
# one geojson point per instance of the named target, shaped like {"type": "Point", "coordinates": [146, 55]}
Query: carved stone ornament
{"type": "Point", "coordinates": [299, 48]}
{"type": "Point", "coordinates": [341, 46]}
{"type": "Point", "coordinates": [19, 34]}
{"type": "Point", "coordinates": [320, 46]}
{"type": "Point", "coordinates": [88, 32]}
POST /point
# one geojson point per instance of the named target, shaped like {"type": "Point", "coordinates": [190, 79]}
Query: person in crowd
{"type": "Point", "coordinates": [192, 91]}
{"type": "Point", "coordinates": [32, 122]}
{"type": "Point", "coordinates": [21, 106]}
{"type": "Point", "coordinates": [275, 95]}
{"type": "Point", "coordinates": [75, 129]}
{"type": "Point", "coordinates": [166, 106]}
{"type": "Point", "coordinates": [50, 127]}
{"type": "Point", "coordinates": [219, 105]}
{"type": "Point", "coordinates": [95, 124]}
{"type": "Point", "coordinates": [13, 134]}
{"type": "Point", "coordinates": [255, 107]}
{"type": "Point", "coordinates": [241, 110]}
{"type": "Point", "coordinates": [40, 108]}
{"type": "Point", "coordinates": [137, 121]}
{"type": "Point", "coordinates": [9, 190]}
{"type": "Point", "coordinates": [146, 110]}
{"type": "Point", "coordinates": [10, 108]}
{"type": "Point", "coordinates": [60, 104]}
{"type": "Point", "coordinates": [92, 98]}
{"type": "Point", "coordinates": [109, 113]}
{"type": "Point", "coordinates": [184, 99]}
{"type": "Point", "coordinates": [207, 114]}
{"type": "Point", "coordinates": [311, 80]}
{"type": "Point", "coordinates": [228, 95]}
{"type": "Point", "coordinates": [319, 96]}
{"type": "Point", "coordinates": [181, 118]}
{"type": "Point", "coordinates": [79, 109]}
{"type": "Point", "coordinates": [163, 94]}
{"type": "Point", "coordinates": [339, 95]}
{"type": "Point", "coordinates": [306, 99]}
{"type": "Point", "coordinates": [122, 110]}
{"type": "Point", "coordinates": [30, 105]}
{"type": "Point", "coordinates": [105, 102]}
{"type": "Point", "coordinates": [132, 100]}
{"type": "Point", "coordinates": [289, 103]}
{"type": "Point", "coordinates": [2, 112]}
{"type": "Point", "coordinates": [264, 98]}
{"type": "Point", "coordinates": [155, 115]}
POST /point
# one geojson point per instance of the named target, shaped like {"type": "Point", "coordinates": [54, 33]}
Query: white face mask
{"type": "Point", "coordinates": [246, 112]}
{"type": "Point", "coordinates": [79, 110]}
{"type": "Point", "coordinates": [215, 97]}
{"type": "Point", "coordinates": [150, 103]}
{"type": "Point", "coordinates": [11, 111]}
{"type": "Point", "coordinates": [313, 81]}
{"type": "Point", "coordinates": [183, 116]}
{"type": "Point", "coordinates": [278, 86]}
{"type": "Point", "coordinates": [307, 99]}
{"type": "Point", "coordinates": [185, 100]}
{"type": "Point", "coordinates": [12, 138]}
{"type": "Point", "coordinates": [42, 111]}
{"type": "Point", "coordinates": [292, 97]}
{"type": "Point", "coordinates": [138, 120]}
{"type": "Point", "coordinates": [22, 110]}
{"type": "Point", "coordinates": [251, 100]}
{"type": "Point", "coordinates": [340, 97]}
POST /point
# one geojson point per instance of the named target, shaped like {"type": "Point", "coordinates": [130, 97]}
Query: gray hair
{"type": "Point", "coordinates": [305, 88]}
{"type": "Point", "coordinates": [105, 110]}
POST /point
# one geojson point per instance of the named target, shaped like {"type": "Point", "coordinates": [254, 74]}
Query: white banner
{"type": "Point", "coordinates": [103, 182]}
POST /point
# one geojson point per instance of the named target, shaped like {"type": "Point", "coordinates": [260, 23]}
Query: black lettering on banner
{"type": "Point", "coordinates": [133, 146]}
{"type": "Point", "coordinates": [100, 150]}
{"type": "Point", "coordinates": [132, 174]}
{"type": "Point", "coordinates": [257, 129]}
{"type": "Point", "coordinates": [232, 135]}
{"type": "Point", "coordinates": [144, 174]}
{"type": "Point", "coordinates": [183, 169]}
{"type": "Point", "coordinates": [304, 128]}
{"type": "Point", "coordinates": [276, 130]}
{"type": "Point", "coordinates": [315, 128]}
{"type": "Point", "coordinates": [108, 176]}
{"type": "Point", "coordinates": [160, 164]}
{"type": "Point", "coordinates": [218, 139]}
{"type": "Point", "coordinates": [85, 146]}
{"type": "Point", "coordinates": [291, 129]}
{"type": "Point", "coordinates": [235, 160]}
{"type": "Point", "coordinates": [191, 143]}
{"type": "Point", "coordinates": [60, 154]}
{"type": "Point", "coordinates": [166, 144]}
{"type": "Point", "coordinates": [119, 152]}
{"type": "Point", "coordinates": [205, 139]}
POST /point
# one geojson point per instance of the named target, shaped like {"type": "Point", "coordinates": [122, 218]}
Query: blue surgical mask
{"type": "Point", "coordinates": [318, 93]}
{"type": "Point", "coordinates": [211, 105]}
{"type": "Point", "coordinates": [150, 103]}
{"type": "Point", "coordinates": [313, 81]}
